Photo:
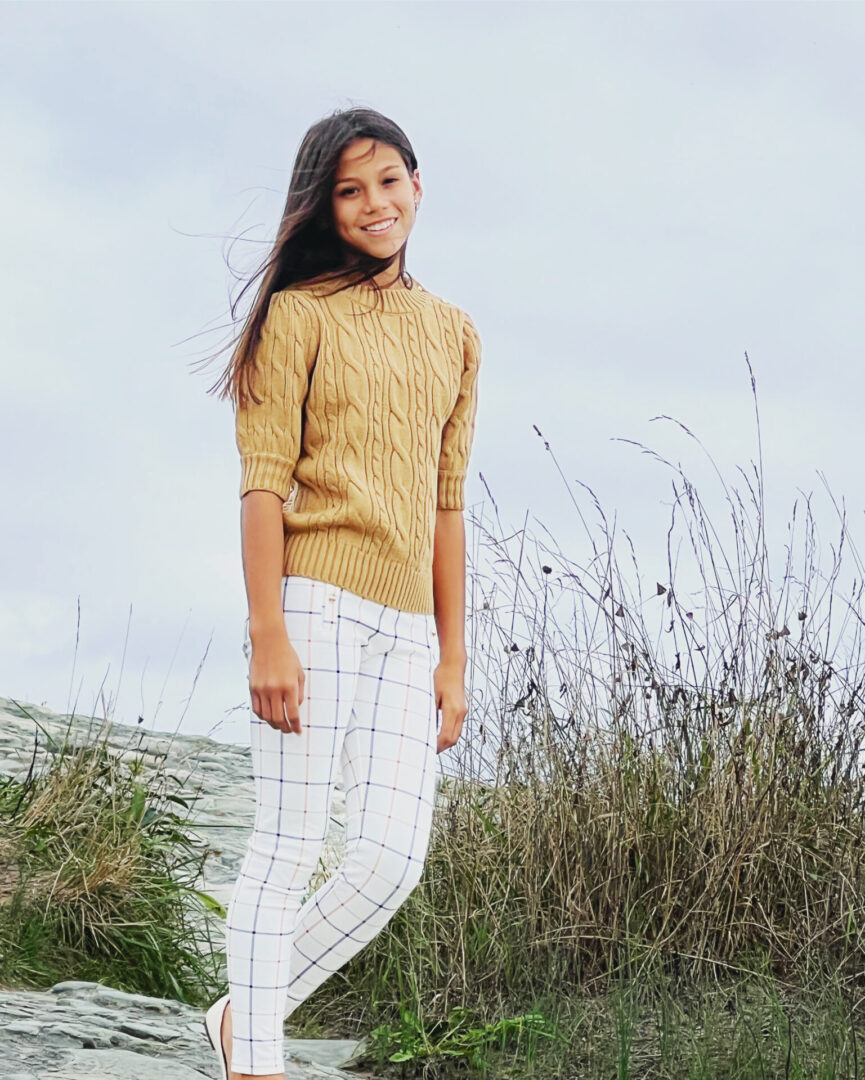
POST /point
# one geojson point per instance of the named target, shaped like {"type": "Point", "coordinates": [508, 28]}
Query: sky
{"type": "Point", "coordinates": [627, 199]}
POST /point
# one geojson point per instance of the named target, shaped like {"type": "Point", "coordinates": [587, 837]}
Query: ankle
{"type": "Point", "coordinates": [226, 1035]}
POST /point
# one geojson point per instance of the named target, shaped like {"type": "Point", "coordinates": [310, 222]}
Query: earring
{"type": "Point", "coordinates": [416, 203]}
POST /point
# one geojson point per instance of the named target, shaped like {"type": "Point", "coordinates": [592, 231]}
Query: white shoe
{"type": "Point", "coordinates": [213, 1027]}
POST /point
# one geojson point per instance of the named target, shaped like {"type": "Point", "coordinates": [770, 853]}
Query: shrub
{"type": "Point", "coordinates": [98, 875]}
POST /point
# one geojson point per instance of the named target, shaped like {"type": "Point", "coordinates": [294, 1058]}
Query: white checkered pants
{"type": "Point", "coordinates": [369, 710]}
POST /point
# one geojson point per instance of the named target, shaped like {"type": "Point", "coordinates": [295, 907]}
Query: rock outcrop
{"type": "Point", "coordinates": [85, 1031]}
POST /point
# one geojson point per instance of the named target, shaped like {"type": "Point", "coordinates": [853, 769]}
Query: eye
{"type": "Point", "coordinates": [351, 190]}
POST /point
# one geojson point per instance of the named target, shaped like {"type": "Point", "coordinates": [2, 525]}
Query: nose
{"type": "Point", "coordinates": [374, 201]}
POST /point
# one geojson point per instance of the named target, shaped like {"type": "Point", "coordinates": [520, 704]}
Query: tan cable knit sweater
{"type": "Point", "coordinates": [366, 427]}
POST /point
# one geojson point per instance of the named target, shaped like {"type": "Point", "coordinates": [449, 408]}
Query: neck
{"type": "Point", "coordinates": [389, 278]}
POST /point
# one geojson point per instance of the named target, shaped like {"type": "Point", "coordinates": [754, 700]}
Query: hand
{"type": "Point", "coordinates": [276, 681]}
{"type": "Point", "coordinates": [449, 679]}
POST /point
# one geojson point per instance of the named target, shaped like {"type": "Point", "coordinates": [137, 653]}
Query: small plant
{"type": "Point", "coordinates": [460, 1035]}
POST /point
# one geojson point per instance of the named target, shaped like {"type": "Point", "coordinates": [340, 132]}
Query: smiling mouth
{"type": "Point", "coordinates": [379, 227]}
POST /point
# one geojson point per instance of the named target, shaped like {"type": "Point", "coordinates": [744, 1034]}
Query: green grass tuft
{"type": "Point", "coordinates": [98, 878]}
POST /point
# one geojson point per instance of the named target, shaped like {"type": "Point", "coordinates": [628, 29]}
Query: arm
{"type": "Point", "coordinates": [268, 435]}
{"type": "Point", "coordinates": [276, 677]}
{"type": "Point", "coordinates": [262, 545]}
{"type": "Point", "coordinates": [449, 552]}
{"type": "Point", "coordinates": [449, 593]}
{"type": "Point", "coordinates": [449, 586]}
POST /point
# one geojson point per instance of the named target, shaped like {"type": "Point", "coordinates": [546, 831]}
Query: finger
{"type": "Point", "coordinates": [292, 711]}
{"type": "Point", "coordinates": [266, 711]}
{"type": "Point", "coordinates": [278, 713]}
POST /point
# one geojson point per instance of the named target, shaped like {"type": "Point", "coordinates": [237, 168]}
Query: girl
{"type": "Point", "coordinates": [356, 394]}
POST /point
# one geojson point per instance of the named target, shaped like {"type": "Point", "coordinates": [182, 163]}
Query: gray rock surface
{"type": "Point", "coordinates": [85, 1031]}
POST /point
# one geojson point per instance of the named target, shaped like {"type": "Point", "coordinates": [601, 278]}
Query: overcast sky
{"type": "Point", "coordinates": [626, 198]}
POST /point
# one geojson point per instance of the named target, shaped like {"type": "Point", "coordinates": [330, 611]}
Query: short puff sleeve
{"type": "Point", "coordinates": [458, 431]}
{"type": "Point", "coordinates": [268, 435]}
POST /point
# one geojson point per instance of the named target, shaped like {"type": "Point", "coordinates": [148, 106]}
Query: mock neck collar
{"type": "Point", "coordinates": [395, 299]}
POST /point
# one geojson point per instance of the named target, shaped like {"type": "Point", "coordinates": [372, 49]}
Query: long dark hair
{"type": "Point", "coordinates": [307, 248]}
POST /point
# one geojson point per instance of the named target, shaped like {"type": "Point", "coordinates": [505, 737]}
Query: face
{"type": "Point", "coordinates": [373, 187]}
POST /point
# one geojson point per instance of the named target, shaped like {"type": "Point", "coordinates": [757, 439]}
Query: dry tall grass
{"type": "Point", "coordinates": [673, 797]}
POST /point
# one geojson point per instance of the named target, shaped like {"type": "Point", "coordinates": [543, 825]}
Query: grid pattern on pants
{"type": "Point", "coordinates": [368, 710]}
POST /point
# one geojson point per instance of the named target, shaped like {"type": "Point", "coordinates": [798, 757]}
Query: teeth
{"type": "Point", "coordinates": [379, 228]}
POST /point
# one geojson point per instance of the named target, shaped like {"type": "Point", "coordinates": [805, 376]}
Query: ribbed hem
{"type": "Point", "coordinates": [265, 472]}
{"type": "Point", "coordinates": [451, 491]}
{"type": "Point", "coordinates": [327, 556]}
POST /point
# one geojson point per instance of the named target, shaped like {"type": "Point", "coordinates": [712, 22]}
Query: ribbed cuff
{"type": "Point", "coordinates": [266, 472]}
{"type": "Point", "coordinates": [451, 491]}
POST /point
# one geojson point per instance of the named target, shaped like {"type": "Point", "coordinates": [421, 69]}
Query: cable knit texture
{"type": "Point", "coordinates": [365, 427]}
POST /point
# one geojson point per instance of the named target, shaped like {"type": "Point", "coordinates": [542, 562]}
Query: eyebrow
{"type": "Point", "coordinates": [384, 168]}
